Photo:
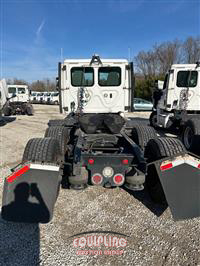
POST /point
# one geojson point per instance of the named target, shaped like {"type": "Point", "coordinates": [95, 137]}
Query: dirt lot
{"type": "Point", "coordinates": [154, 238]}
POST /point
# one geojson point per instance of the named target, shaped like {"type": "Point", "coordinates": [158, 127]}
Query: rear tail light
{"type": "Point", "coordinates": [97, 179]}
{"type": "Point", "coordinates": [118, 179]}
{"type": "Point", "coordinates": [91, 161]}
{"type": "Point", "coordinates": [17, 174]}
{"type": "Point", "coordinates": [125, 161]}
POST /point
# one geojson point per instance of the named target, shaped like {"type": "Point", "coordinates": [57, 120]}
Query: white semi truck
{"type": "Point", "coordinates": [179, 104]}
{"type": "Point", "coordinates": [96, 145]}
{"type": "Point", "coordinates": [19, 101]}
{"type": "Point", "coordinates": [106, 85]}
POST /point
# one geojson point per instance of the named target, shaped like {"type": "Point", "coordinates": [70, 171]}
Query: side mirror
{"type": "Point", "coordinates": [13, 95]}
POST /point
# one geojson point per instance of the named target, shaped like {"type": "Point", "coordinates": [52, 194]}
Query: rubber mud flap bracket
{"type": "Point", "coordinates": [30, 193]}
{"type": "Point", "coordinates": [180, 179]}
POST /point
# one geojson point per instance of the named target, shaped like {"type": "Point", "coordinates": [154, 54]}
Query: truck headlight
{"type": "Point", "coordinates": [108, 171]}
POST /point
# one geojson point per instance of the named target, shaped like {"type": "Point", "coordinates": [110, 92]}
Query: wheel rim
{"type": "Point", "coordinates": [188, 136]}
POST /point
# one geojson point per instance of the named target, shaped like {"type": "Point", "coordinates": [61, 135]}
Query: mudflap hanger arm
{"type": "Point", "coordinates": [180, 179]}
{"type": "Point", "coordinates": [142, 165]}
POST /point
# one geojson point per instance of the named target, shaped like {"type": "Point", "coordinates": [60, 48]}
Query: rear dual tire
{"type": "Point", "coordinates": [61, 134]}
{"type": "Point", "coordinates": [157, 149]}
{"type": "Point", "coordinates": [142, 134]}
{"type": "Point", "coordinates": [42, 150]}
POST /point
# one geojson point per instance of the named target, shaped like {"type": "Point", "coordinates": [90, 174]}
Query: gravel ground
{"type": "Point", "coordinates": [154, 238]}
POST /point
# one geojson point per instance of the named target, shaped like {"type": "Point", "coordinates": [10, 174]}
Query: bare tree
{"type": "Point", "coordinates": [146, 64]}
{"type": "Point", "coordinates": [191, 50]}
{"type": "Point", "coordinates": [167, 54]}
{"type": "Point", "coordinates": [43, 85]}
{"type": "Point", "coordinates": [16, 81]}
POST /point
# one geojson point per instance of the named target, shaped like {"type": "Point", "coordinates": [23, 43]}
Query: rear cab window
{"type": "Point", "coordinates": [82, 76]}
{"type": "Point", "coordinates": [12, 90]}
{"type": "Point", "coordinates": [187, 79]}
{"type": "Point", "coordinates": [109, 76]}
{"type": "Point", "coordinates": [21, 90]}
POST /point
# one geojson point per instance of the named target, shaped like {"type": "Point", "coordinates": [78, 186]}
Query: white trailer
{"type": "Point", "coordinates": [179, 103]}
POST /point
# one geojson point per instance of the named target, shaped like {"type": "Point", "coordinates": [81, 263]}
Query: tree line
{"type": "Point", "coordinates": [154, 63]}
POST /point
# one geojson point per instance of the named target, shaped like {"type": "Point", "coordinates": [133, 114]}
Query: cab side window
{"type": "Point", "coordinates": [187, 79]}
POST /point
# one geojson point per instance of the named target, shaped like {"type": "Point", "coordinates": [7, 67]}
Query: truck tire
{"type": "Point", "coordinates": [157, 149]}
{"type": "Point", "coordinates": [61, 134]}
{"type": "Point", "coordinates": [7, 111]}
{"type": "Point", "coordinates": [153, 119]}
{"type": "Point", "coordinates": [191, 135]}
{"type": "Point", "coordinates": [42, 150]}
{"type": "Point", "coordinates": [29, 110]}
{"type": "Point", "coordinates": [142, 134]}
{"type": "Point", "coordinates": [56, 122]}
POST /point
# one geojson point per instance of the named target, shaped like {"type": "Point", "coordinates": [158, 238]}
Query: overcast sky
{"type": "Point", "coordinates": [33, 32]}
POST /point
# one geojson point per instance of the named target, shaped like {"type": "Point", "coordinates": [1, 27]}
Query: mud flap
{"type": "Point", "coordinates": [30, 193]}
{"type": "Point", "coordinates": [180, 179]}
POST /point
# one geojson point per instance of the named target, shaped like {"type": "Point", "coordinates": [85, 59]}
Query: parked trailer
{"type": "Point", "coordinates": [33, 97]}
{"type": "Point", "coordinates": [55, 97]}
{"type": "Point", "coordinates": [47, 97]}
{"type": "Point", "coordinates": [51, 97]}
{"type": "Point", "coordinates": [19, 101]}
{"type": "Point", "coordinates": [178, 105]}
{"type": "Point", "coordinates": [99, 148]}
{"type": "Point", "coordinates": [40, 97]}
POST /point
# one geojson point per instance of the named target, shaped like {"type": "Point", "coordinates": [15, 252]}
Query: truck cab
{"type": "Point", "coordinates": [180, 95]}
{"type": "Point", "coordinates": [180, 79]}
{"type": "Point", "coordinates": [21, 92]}
{"type": "Point", "coordinates": [105, 85]}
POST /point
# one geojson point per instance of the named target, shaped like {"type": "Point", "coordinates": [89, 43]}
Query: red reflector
{"type": "Point", "coordinates": [199, 166]}
{"type": "Point", "coordinates": [97, 179]}
{"type": "Point", "coordinates": [91, 161]}
{"type": "Point", "coordinates": [166, 166]}
{"type": "Point", "coordinates": [20, 172]}
{"type": "Point", "coordinates": [118, 179]}
{"type": "Point", "coordinates": [125, 161]}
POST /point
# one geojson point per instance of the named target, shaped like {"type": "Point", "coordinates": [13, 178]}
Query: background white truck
{"type": "Point", "coordinates": [19, 101]}
{"type": "Point", "coordinates": [178, 105]}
